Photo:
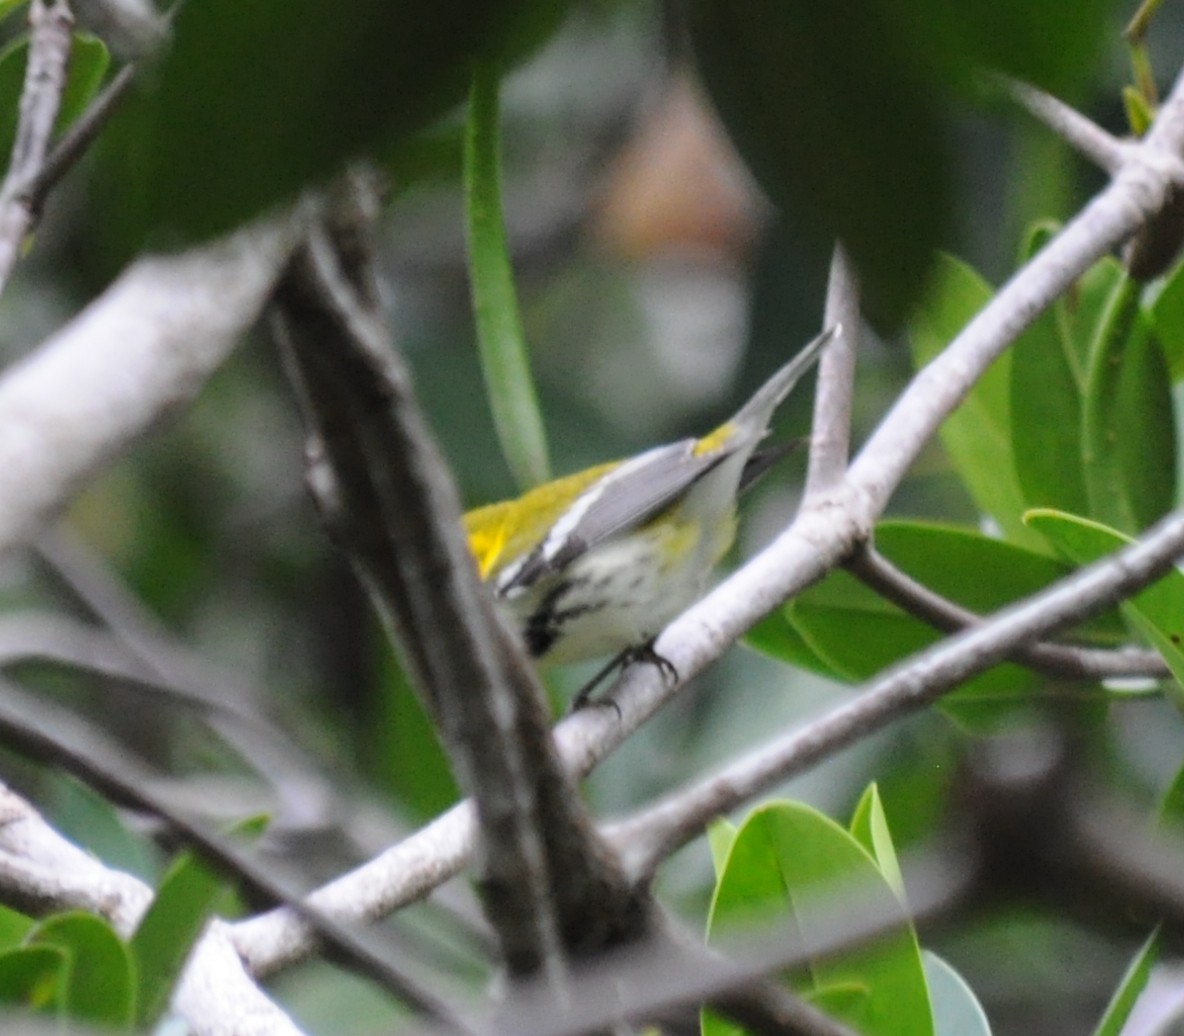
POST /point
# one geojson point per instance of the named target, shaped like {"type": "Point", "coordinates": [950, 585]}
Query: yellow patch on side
{"type": "Point", "coordinates": [677, 540]}
{"type": "Point", "coordinates": [715, 440]}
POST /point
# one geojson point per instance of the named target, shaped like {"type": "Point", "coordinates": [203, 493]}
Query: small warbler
{"type": "Point", "coordinates": [596, 563]}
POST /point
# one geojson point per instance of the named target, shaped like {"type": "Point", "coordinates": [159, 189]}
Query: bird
{"type": "Point", "coordinates": [596, 563]}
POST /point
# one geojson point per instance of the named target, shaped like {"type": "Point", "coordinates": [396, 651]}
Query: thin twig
{"type": "Point", "coordinates": [51, 23]}
{"type": "Point", "coordinates": [78, 138]}
{"type": "Point", "coordinates": [830, 436]}
{"type": "Point", "coordinates": [1103, 149]}
{"type": "Point", "coordinates": [1058, 660]}
{"type": "Point", "coordinates": [306, 798]}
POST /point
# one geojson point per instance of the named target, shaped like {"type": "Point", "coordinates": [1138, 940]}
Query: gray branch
{"type": "Point", "coordinates": [1058, 660]}
{"type": "Point", "coordinates": [215, 994]}
{"type": "Point", "coordinates": [51, 24]}
{"type": "Point", "coordinates": [136, 353]}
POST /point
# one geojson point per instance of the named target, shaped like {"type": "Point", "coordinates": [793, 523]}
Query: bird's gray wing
{"type": "Point", "coordinates": [624, 499]}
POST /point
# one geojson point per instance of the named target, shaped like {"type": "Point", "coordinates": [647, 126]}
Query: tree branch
{"type": "Point", "coordinates": [52, 735]}
{"type": "Point", "coordinates": [1057, 660]}
{"type": "Point", "coordinates": [830, 435]}
{"type": "Point", "coordinates": [75, 142]}
{"type": "Point", "coordinates": [650, 836]}
{"type": "Point", "coordinates": [549, 888]}
{"type": "Point", "coordinates": [668, 970]}
{"type": "Point", "coordinates": [49, 873]}
{"type": "Point", "coordinates": [1103, 149]}
{"type": "Point", "coordinates": [134, 354]}
{"type": "Point", "coordinates": [1140, 189]}
{"type": "Point", "coordinates": [52, 25]}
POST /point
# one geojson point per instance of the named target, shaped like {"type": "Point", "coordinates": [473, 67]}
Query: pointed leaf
{"type": "Point", "coordinates": [788, 859]}
{"type": "Point", "coordinates": [1045, 401]}
{"type": "Point", "coordinates": [1132, 985]}
{"type": "Point", "coordinates": [978, 435]}
{"type": "Point", "coordinates": [721, 834]}
{"type": "Point", "coordinates": [99, 984]}
{"type": "Point", "coordinates": [1129, 435]}
{"type": "Point", "coordinates": [1157, 612]}
{"type": "Point", "coordinates": [505, 359]}
{"type": "Point", "coordinates": [166, 934]}
{"type": "Point", "coordinates": [956, 1010]}
{"type": "Point", "coordinates": [869, 827]}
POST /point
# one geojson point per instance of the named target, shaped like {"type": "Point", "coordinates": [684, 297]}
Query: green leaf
{"type": "Point", "coordinates": [89, 60]}
{"type": "Point", "coordinates": [869, 827]}
{"type": "Point", "coordinates": [978, 435]}
{"type": "Point", "coordinates": [777, 637]}
{"type": "Point", "coordinates": [254, 101]}
{"type": "Point", "coordinates": [1047, 378]}
{"type": "Point", "coordinates": [88, 65]}
{"type": "Point", "coordinates": [721, 834]}
{"type": "Point", "coordinates": [14, 927]}
{"type": "Point", "coordinates": [1139, 112]}
{"type": "Point", "coordinates": [7, 7]}
{"type": "Point", "coordinates": [401, 746]}
{"type": "Point", "coordinates": [1129, 434]}
{"type": "Point", "coordinates": [1079, 310]}
{"type": "Point", "coordinates": [1167, 316]}
{"type": "Point", "coordinates": [788, 860]}
{"type": "Point", "coordinates": [166, 934]}
{"type": "Point", "coordinates": [956, 1010]}
{"type": "Point", "coordinates": [505, 359]}
{"type": "Point", "coordinates": [1157, 612]}
{"type": "Point", "coordinates": [861, 645]}
{"type": "Point", "coordinates": [847, 138]}
{"type": "Point", "coordinates": [1133, 983]}
{"type": "Point", "coordinates": [853, 633]}
{"type": "Point", "coordinates": [32, 976]}
{"type": "Point", "coordinates": [99, 984]}
{"type": "Point", "coordinates": [979, 572]}
{"type": "Point", "coordinates": [1170, 811]}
